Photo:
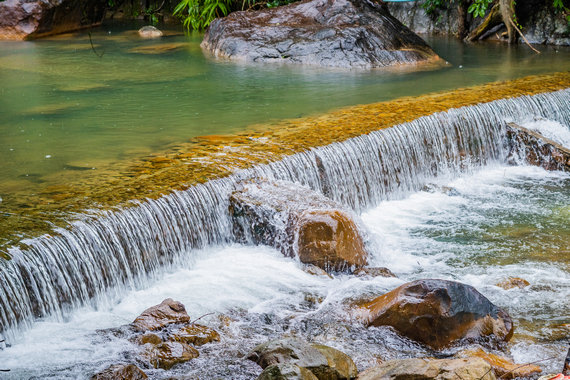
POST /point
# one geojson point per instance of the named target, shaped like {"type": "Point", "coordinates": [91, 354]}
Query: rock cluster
{"type": "Point", "coordinates": [166, 337]}
{"type": "Point", "coordinates": [333, 33]}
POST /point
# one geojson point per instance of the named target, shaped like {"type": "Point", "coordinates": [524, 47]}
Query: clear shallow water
{"type": "Point", "coordinates": [479, 229]}
{"type": "Point", "coordinates": [64, 107]}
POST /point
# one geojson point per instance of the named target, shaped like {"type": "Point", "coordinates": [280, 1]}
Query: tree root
{"type": "Point", "coordinates": [493, 19]}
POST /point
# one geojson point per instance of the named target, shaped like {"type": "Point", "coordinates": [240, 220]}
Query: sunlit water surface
{"type": "Point", "coordinates": [479, 229]}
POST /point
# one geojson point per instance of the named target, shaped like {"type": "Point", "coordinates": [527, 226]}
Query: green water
{"type": "Point", "coordinates": [81, 104]}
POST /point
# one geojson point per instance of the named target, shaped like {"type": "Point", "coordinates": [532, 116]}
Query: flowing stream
{"type": "Point", "coordinates": [477, 221]}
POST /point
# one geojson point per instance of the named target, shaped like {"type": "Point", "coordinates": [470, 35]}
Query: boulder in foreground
{"type": "Point", "coordinates": [333, 33]}
{"type": "Point", "coordinates": [439, 313]}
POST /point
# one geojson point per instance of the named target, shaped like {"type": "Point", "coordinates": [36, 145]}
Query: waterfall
{"type": "Point", "coordinates": [113, 250]}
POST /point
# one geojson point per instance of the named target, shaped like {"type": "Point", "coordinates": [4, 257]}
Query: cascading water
{"type": "Point", "coordinates": [113, 250]}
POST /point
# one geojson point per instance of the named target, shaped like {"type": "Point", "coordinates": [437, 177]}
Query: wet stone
{"type": "Point", "coordinates": [439, 313]}
{"type": "Point", "coordinates": [161, 315]}
{"type": "Point", "coordinates": [167, 354]}
{"type": "Point", "coordinates": [196, 335]}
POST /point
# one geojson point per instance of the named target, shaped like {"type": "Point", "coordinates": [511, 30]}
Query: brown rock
{"type": "Point", "coordinates": [149, 338]}
{"type": "Point", "coordinates": [167, 354]}
{"type": "Point", "coordinates": [513, 282]}
{"type": "Point", "coordinates": [24, 19]}
{"type": "Point", "coordinates": [433, 369]}
{"type": "Point", "coordinates": [196, 335]}
{"type": "Point", "coordinates": [161, 315]}
{"type": "Point", "coordinates": [374, 272]}
{"type": "Point", "coordinates": [329, 239]}
{"type": "Point", "coordinates": [503, 367]}
{"type": "Point", "coordinates": [122, 372]}
{"type": "Point", "coordinates": [439, 313]}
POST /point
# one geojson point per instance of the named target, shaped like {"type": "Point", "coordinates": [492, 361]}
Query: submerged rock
{"type": "Point", "coordinates": [439, 313]}
{"type": "Point", "coordinates": [334, 33]}
{"type": "Point", "coordinates": [326, 363]}
{"type": "Point", "coordinates": [150, 32]}
{"type": "Point", "coordinates": [161, 315]}
{"type": "Point", "coordinates": [513, 282]}
{"type": "Point", "coordinates": [436, 369]}
{"type": "Point", "coordinates": [165, 355]}
{"type": "Point", "coordinates": [24, 19]}
{"type": "Point", "coordinates": [298, 221]}
{"type": "Point", "coordinates": [121, 371]}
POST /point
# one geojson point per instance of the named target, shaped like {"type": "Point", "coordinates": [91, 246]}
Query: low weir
{"type": "Point", "coordinates": [102, 255]}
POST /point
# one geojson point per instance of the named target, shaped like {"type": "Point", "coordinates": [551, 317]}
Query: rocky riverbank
{"type": "Point", "coordinates": [467, 329]}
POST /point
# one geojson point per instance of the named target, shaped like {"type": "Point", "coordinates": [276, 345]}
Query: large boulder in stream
{"type": "Point", "coordinates": [298, 221]}
{"type": "Point", "coordinates": [326, 363]}
{"type": "Point", "coordinates": [25, 19]}
{"type": "Point", "coordinates": [439, 313]}
{"type": "Point", "coordinates": [333, 33]}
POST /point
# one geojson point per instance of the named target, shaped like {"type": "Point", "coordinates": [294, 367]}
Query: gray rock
{"type": "Point", "coordinates": [326, 363]}
{"type": "Point", "coordinates": [25, 19]}
{"type": "Point", "coordinates": [337, 33]}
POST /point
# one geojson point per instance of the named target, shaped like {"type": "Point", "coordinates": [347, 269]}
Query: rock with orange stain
{"type": "Point", "coordinates": [502, 366]}
{"type": "Point", "coordinates": [161, 315]}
